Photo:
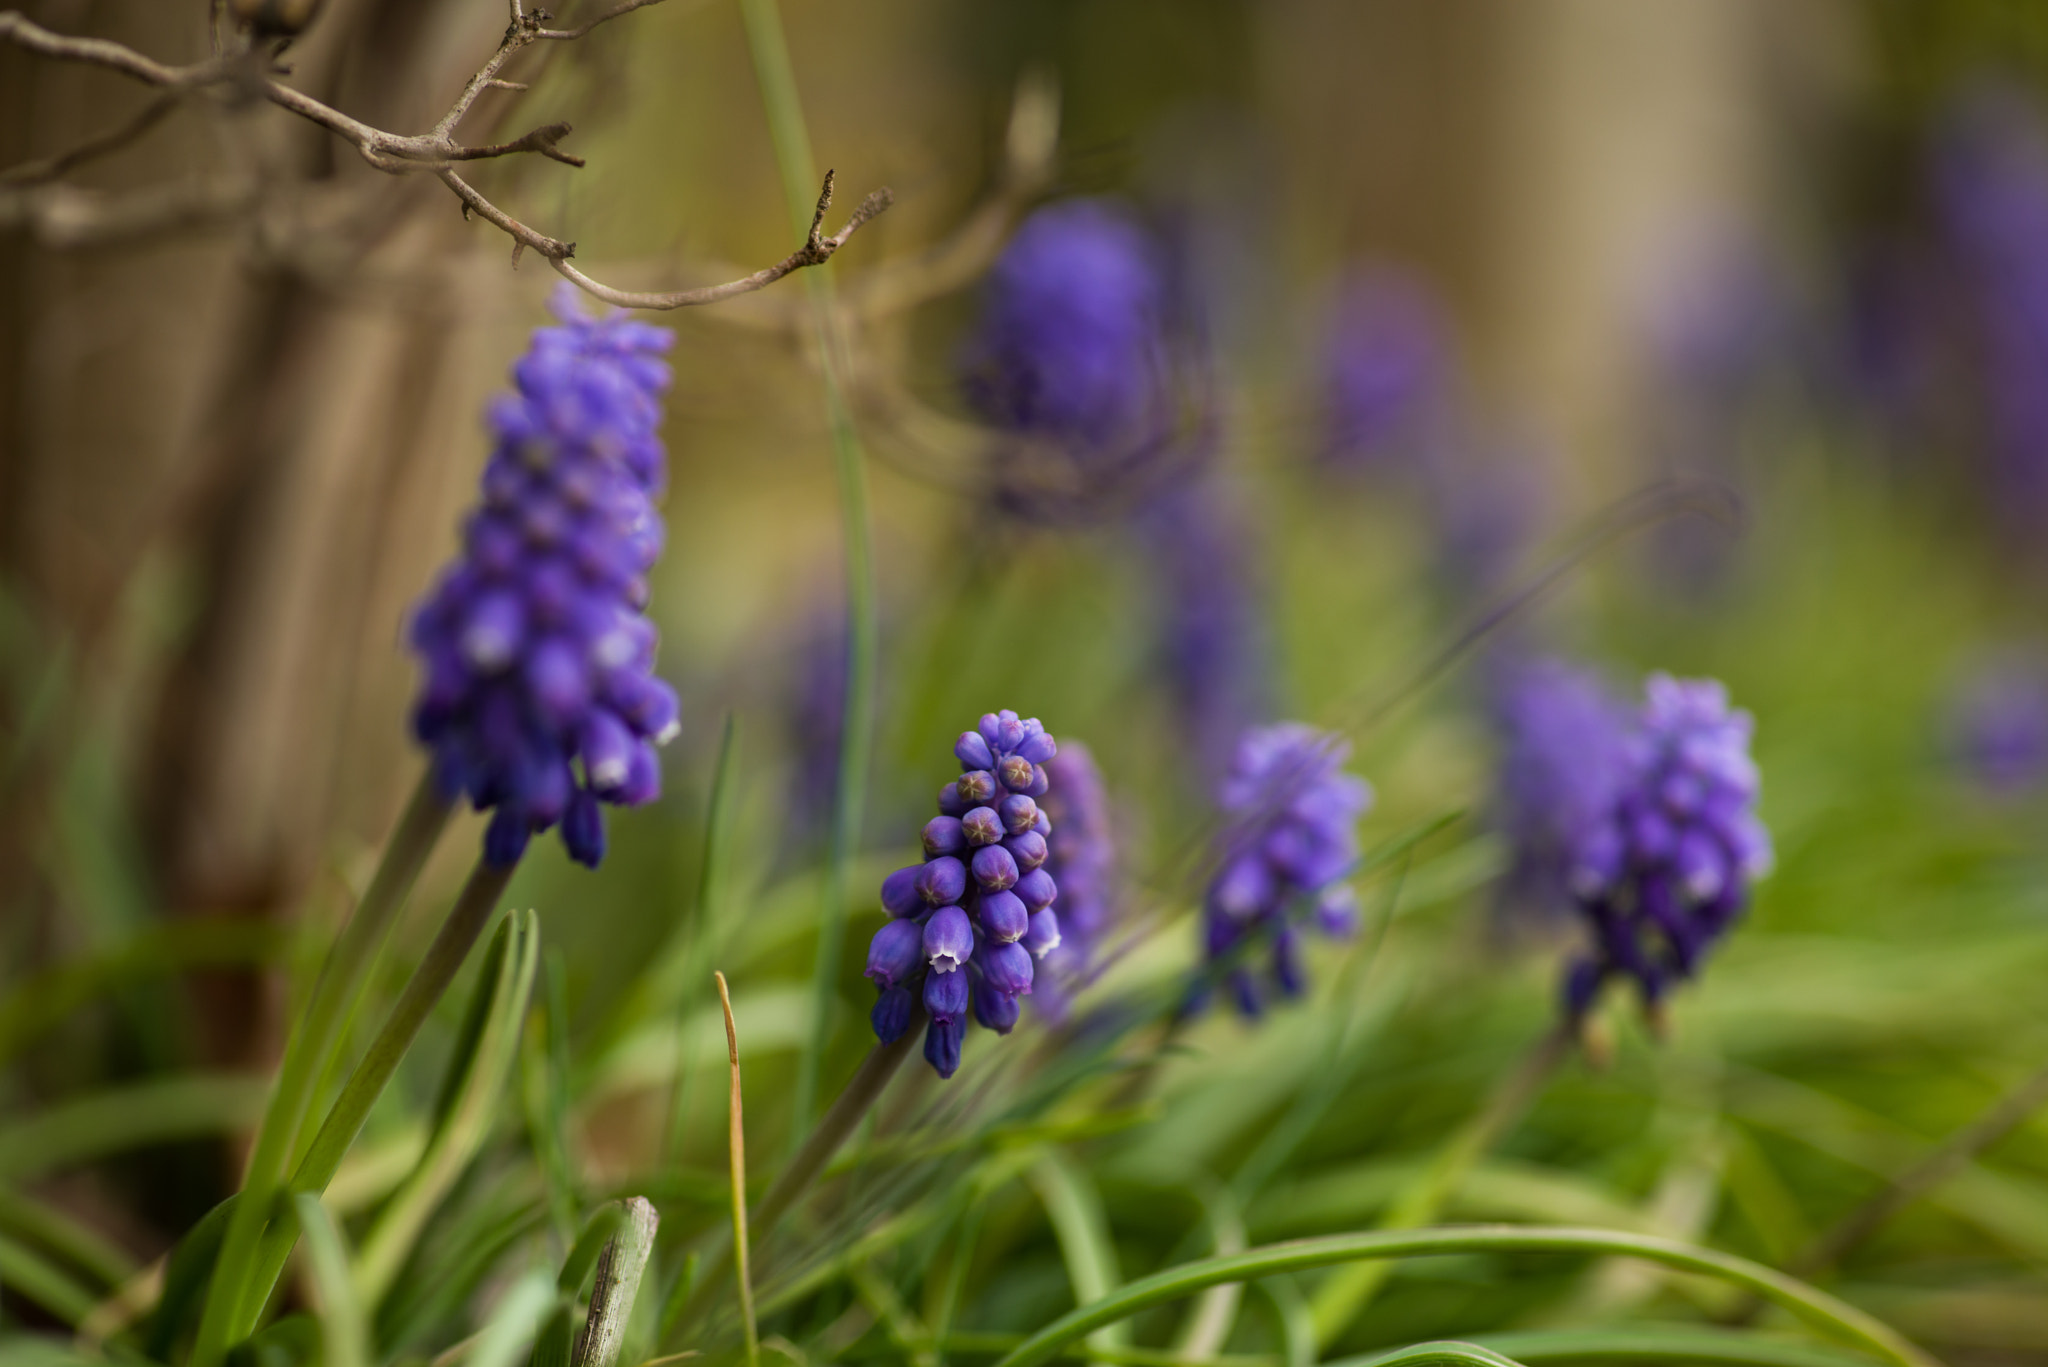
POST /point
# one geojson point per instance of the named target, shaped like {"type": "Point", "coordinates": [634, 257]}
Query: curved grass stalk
{"type": "Point", "coordinates": [345, 1336]}
{"type": "Point", "coordinates": [84, 1128]}
{"type": "Point", "coordinates": [856, 729]}
{"type": "Point", "coordinates": [1689, 1344]}
{"type": "Point", "coordinates": [1082, 1229]}
{"type": "Point", "coordinates": [237, 1293]}
{"type": "Point", "coordinates": [1818, 1309]}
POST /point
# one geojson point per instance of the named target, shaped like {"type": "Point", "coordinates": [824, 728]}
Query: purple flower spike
{"type": "Point", "coordinates": [958, 942]}
{"type": "Point", "coordinates": [1080, 856]}
{"type": "Point", "coordinates": [1566, 755]}
{"type": "Point", "coordinates": [1292, 840]}
{"type": "Point", "coordinates": [1659, 856]}
{"type": "Point", "coordinates": [536, 655]}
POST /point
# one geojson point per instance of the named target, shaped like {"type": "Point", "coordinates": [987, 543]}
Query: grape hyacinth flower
{"type": "Point", "coordinates": [1666, 870]}
{"type": "Point", "coordinates": [1998, 724]}
{"type": "Point", "coordinates": [1386, 371]}
{"type": "Point", "coordinates": [1292, 841]}
{"type": "Point", "coordinates": [539, 699]}
{"type": "Point", "coordinates": [1567, 746]}
{"type": "Point", "coordinates": [1074, 360]}
{"type": "Point", "coordinates": [968, 925]}
{"type": "Point", "coordinates": [1081, 857]}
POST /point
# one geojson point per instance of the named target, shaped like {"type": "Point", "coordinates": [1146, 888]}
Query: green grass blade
{"type": "Point", "coordinates": [38, 1222]}
{"type": "Point", "coordinates": [475, 1082]}
{"type": "Point", "coordinates": [1817, 1308]}
{"type": "Point", "coordinates": [1444, 1354]}
{"type": "Point", "coordinates": [1082, 1229]}
{"type": "Point", "coordinates": [1625, 1347]}
{"type": "Point", "coordinates": [33, 1277]}
{"type": "Point", "coordinates": [514, 1321]}
{"type": "Point", "coordinates": [344, 1336]}
{"type": "Point", "coordinates": [620, 1269]}
{"type": "Point", "coordinates": [856, 737]}
{"type": "Point", "coordinates": [83, 1129]}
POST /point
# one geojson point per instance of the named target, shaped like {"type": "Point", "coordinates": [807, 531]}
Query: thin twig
{"type": "Point", "coordinates": [737, 1141]}
{"type": "Point", "coordinates": [113, 140]}
{"type": "Point", "coordinates": [436, 151]}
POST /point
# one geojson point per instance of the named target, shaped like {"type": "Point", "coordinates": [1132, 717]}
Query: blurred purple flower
{"type": "Point", "coordinates": [1291, 844]}
{"type": "Point", "coordinates": [1666, 870]}
{"type": "Point", "coordinates": [979, 909]}
{"type": "Point", "coordinates": [1998, 724]}
{"type": "Point", "coordinates": [1988, 178]}
{"type": "Point", "coordinates": [535, 648]}
{"type": "Point", "coordinates": [1387, 372]}
{"type": "Point", "coordinates": [1566, 755]}
{"type": "Point", "coordinates": [1211, 622]}
{"type": "Point", "coordinates": [1075, 358]}
{"type": "Point", "coordinates": [1081, 857]}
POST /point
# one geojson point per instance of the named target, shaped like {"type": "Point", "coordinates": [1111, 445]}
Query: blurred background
{"type": "Point", "coordinates": [1732, 313]}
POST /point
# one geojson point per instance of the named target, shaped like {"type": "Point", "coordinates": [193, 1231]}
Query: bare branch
{"type": "Point", "coordinates": [815, 251]}
{"type": "Point", "coordinates": [495, 84]}
{"type": "Point", "coordinates": [624, 7]}
{"type": "Point", "coordinates": [68, 217]}
{"type": "Point", "coordinates": [64, 216]}
{"type": "Point", "coordinates": [113, 140]}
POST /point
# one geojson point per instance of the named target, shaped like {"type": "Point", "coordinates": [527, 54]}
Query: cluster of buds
{"type": "Point", "coordinates": [968, 924]}
{"type": "Point", "coordinates": [1292, 844]}
{"type": "Point", "coordinates": [1666, 868]}
{"type": "Point", "coordinates": [1081, 857]}
{"type": "Point", "coordinates": [539, 698]}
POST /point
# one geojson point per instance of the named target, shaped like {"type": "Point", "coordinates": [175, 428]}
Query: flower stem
{"type": "Point", "coordinates": [865, 1088]}
{"type": "Point", "coordinates": [232, 1302]}
{"type": "Point", "coordinates": [458, 935]}
{"type": "Point", "coordinates": [856, 736]}
{"type": "Point", "coordinates": [1345, 1295]}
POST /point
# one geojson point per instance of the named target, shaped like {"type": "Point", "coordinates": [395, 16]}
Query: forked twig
{"type": "Point", "coordinates": [65, 218]}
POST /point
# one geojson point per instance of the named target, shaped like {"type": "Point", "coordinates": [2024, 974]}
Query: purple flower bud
{"type": "Point", "coordinates": [945, 995]}
{"type": "Point", "coordinates": [995, 1010]}
{"type": "Point", "coordinates": [1006, 966]}
{"type": "Point", "coordinates": [948, 940]}
{"type": "Point", "coordinates": [492, 636]}
{"type": "Point", "coordinates": [976, 787]}
{"type": "Point", "coordinates": [1044, 935]}
{"type": "Point", "coordinates": [900, 895]}
{"type": "Point", "coordinates": [1028, 849]}
{"type": "Point", "coordinates": [892, 1015]}
{"type": "Point", "coordinates": [942, 1045]}
{"type": "Point", "coordinates": [1015, 773]}
{"type": "Point", "coordinates": [1019, 813]}
{"type": "Point", "coordinates": [1003, 916]}
{"type": "Point", "coordinates": [505, 838]}
{"type": "Point", "coordinates": [557, 683]}
{"type": "Point", "coordinates": [1036, 889]}
{"type": "Point", "coordinates": [1038, 747]}
{"type": "Point", "coordinates": [942, 881]}
{"type": "Point", "coordinates": [896, 953]}
{"type": "Point", "coordinates": [943, 835]}
{"type": "Point", "coordinates": [994, 869]}
{"type": "Point", "coordinates": [972, 751]}
{"type": "Point", "coordinates": [982, 826]}
{"type": "Point", "coordinates": [606, 747]}
{"type": "Point", "coordinates": [951, 803]}
{"type": "Point", "coordinates": [583, 828]}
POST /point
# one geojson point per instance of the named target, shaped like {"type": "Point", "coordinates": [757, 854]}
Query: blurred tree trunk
{"type": "Point", "coordinates": [273, 421]}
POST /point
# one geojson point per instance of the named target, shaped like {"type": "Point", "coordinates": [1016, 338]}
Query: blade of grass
{"type": "Point", "coordinates": [1075, 1209]}
{"type": "Point", "coordinates": [792, 141]}
{"type": "Point", "coordinates": [35, 1278]}
{"type": "Point", "coordinates": [82, 1129]}
{"type": "Point", "coordinates": [737, 1145]}
{"type": "Point", "coordinates": [472, 912]}
{"type": "Point", "coordinates": [238, 1290]}
{"type": "Point", "coordinates": [343, 1334]}
{"type": "Point", "coordinates": [1215, 1314]}
{"type": "Point", "coordinates": [620, 1269]}
{"type": "Point", "coordinates": [1445, 1354]}
{"type": "Point", "coordinates": [1629, 1346]}
{"type": "Point", "coordinates": [86, 1249]}
{"type": "Point", "coordinates": [1344, 1295]}
{"type": "Point", "coordinates": [1815, 1307]}
{"type": "Point", "coordinates": [543, 1096]}
{"type": "Point", "coordinates": [514, 1321]}
{"type": "Point", "coordinates": [474, 1082]}
{"type": "Point", "coordinates": [719, 827]}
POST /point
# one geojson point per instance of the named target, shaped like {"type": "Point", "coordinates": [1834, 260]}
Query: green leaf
{"type": "Point", "coordinates": [1816, 1307]}
{"type": "Point", "coordinates": [1075, 1209]}
{"type": "Point", "coordinates": [36, 1278]}
{"type": "Point", "coordinates": [39, 1222]}
{"type": "Point", "coordinates": [80, 1130]}
{"type": "Point", "coordinates": [344, 1336]}
{"type": "Point", "coordinates": [1625, 1347]}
